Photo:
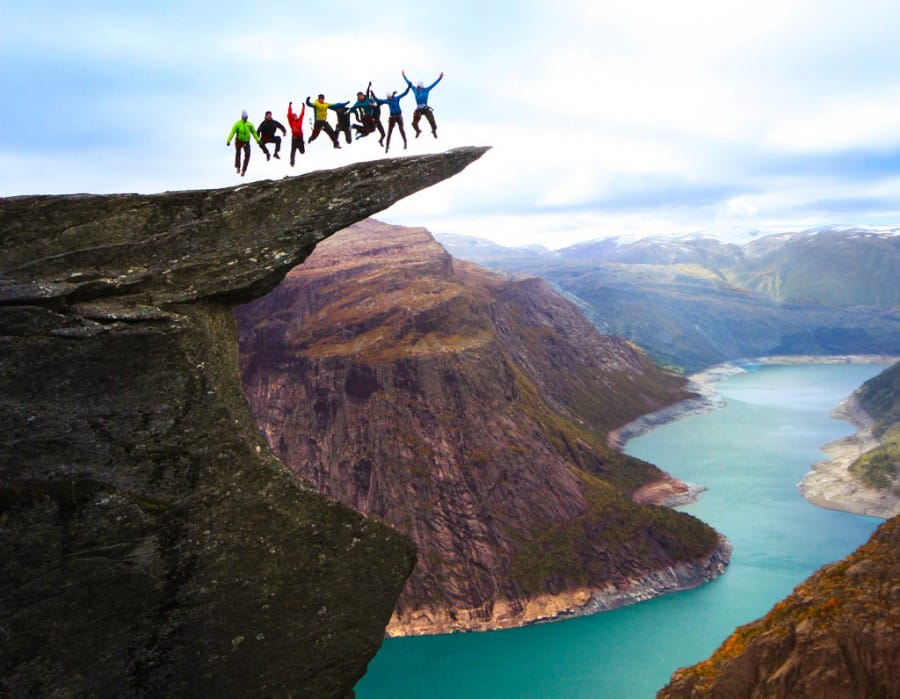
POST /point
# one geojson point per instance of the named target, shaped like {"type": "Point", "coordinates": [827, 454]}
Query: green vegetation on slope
{"type": "Point", "coordinates": [880, 397]}
{"type": "Point", "coordinates": [878, 467]}
{"type": "Point", "coordinates": [613, 541]}
{"type": "Point", "coordinates": [615, 538]}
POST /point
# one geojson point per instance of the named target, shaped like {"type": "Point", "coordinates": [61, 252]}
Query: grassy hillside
{"type": "Point", "coordinates": [880, 397]}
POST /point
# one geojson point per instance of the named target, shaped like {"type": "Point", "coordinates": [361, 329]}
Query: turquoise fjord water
{"type": "Point", "coordinates": [750, 454]}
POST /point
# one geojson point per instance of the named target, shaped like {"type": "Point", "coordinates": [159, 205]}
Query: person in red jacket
{"type": "Point", "coordinates": [296, 124]}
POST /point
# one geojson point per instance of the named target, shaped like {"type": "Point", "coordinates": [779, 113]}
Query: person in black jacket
{"type": "Point", "coordinates": [267, 134]}
{"type": "Point", "coordinates": [343, 120]}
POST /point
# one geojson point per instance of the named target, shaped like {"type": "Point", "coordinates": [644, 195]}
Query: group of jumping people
{"type": "Point", "coordinates": [366, 109]}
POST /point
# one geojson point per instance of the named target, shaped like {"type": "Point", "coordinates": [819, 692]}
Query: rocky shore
{"type": "Point", "coordinates": [683, 576]}
{"type": "Point", "coordinates": [830, 484]}
{"type": "Point", "coordinates": [569, 604]}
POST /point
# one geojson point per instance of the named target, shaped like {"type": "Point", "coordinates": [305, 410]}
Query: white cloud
{"type": "Point", "coordinates": [609, 115]}
{"type": "Point", "coordinates": [867, 123]}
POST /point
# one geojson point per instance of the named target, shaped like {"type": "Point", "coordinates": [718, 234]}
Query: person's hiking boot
{"type": "Point", "coordinates": [434, 133]}
{"type": "Point", "coordinates": [276, 156]}
{"type": "Point", "coordinates": [418, 132]}
{"type": "Point", "coordinates": [237, 170]}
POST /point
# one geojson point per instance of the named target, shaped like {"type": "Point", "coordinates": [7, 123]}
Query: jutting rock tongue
{"type": "Point", "coordinates": [151, 544]}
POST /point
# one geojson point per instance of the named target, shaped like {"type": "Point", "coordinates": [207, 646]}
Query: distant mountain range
{"type": "Point", "coordinates": [470, 410]}
{"type": "Point", "coordinates": [693, 302]}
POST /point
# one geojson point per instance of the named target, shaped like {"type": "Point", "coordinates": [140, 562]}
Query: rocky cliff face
{"type": "Point", "coordinates": [469, 410]}
{"type": "Point", "coordinates": [151, 543]}
{"type": "Point", "coordinates": [835, 636]}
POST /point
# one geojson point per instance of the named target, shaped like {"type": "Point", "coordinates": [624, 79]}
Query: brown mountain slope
{"type": "Point", "coordinates": [470, 411]}
{"type": "Point", "coordinates": [837, 636]}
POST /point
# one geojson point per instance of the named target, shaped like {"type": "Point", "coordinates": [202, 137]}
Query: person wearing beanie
{"type": "Point", "coordinates": [242, 132]}
{"type": "Point", "coordinates": [422, 109]}
{"type": "Point", "coordinates": [267, 134]}
{"type": "Point", "coordinates": [396, 115]}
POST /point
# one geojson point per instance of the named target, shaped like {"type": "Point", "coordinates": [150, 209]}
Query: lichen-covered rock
{"type": "Point", "coordinates": [151, 545]}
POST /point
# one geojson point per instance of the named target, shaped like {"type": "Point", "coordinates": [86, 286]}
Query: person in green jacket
{"type": "Point", "coordinates": [242, 132]}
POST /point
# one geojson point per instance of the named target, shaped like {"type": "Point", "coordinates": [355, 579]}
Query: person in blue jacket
{"type": "Point", "coordinates": [396, 115]}
{"type": "Point", "coordinates": [422, 109]}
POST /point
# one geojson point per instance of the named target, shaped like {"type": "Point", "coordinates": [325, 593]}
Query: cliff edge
{"type": "Point", "coordinates": [151, 543]}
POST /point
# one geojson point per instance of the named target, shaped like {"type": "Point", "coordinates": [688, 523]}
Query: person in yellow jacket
{"type": "Point", "coordinates": [242, 132]}
{"type": "Point", "coordinates": [321, 123]}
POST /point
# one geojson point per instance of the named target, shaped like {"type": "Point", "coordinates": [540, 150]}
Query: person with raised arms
{"type": "Point", "coordinates": [295, 121]}
{"type": "Point", "coordinates": [320, 106]}
{"type": "Point", "coordinates": [422, 109]}
{"type": "Point", "coordinates": [396, 115]}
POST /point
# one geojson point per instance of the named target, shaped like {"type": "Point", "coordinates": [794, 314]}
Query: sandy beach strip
{"type": "Point", "coordinates": [830, 484]}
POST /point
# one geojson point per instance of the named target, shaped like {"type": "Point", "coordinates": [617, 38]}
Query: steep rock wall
{"type": "Point", "coordinates": [470, 411]}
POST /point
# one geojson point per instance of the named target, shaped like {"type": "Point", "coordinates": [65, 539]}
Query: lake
{"type": "Point", "coordinates": [750, 454]}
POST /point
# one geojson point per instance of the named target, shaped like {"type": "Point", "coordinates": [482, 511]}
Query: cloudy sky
{"type": "Point", "coordinates": [632, 117]}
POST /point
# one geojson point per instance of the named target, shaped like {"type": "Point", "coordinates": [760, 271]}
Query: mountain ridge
{"type": "Point", "coordinates": [470, 410]}
{"type": "Point", "coordinates": [696, 303]}
{"type": "Point", "coordinates": [152, 545]}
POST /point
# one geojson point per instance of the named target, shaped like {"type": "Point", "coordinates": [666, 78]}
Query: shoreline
{"type": "Point", "coordinates": [828, 484]}
{"type": "Point", "coordinates": [668, 491]}
{"type": "Point", "coordinates": [548, 608]}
